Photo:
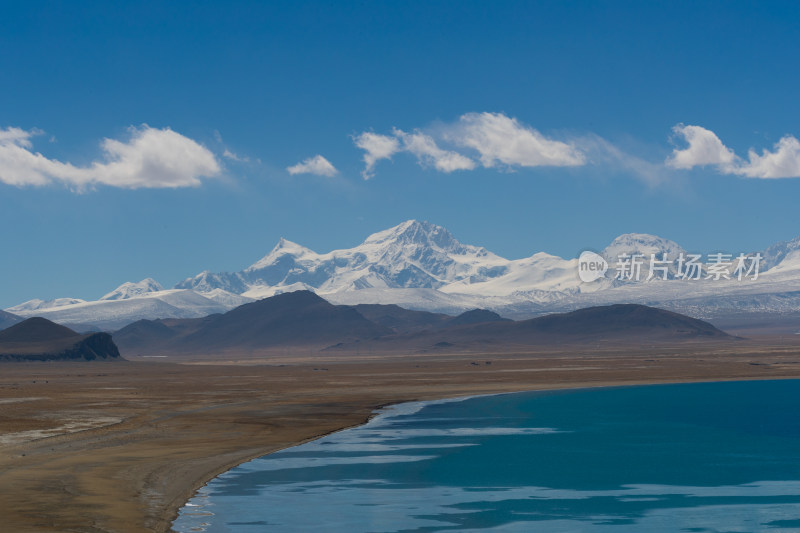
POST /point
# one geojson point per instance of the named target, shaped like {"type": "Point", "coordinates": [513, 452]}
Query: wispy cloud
{"type": "Point", "coordinates": [376, 147]}
{"type": "Point", "coordinates": [428, 153]}
{"type": "Point", "coordinates": [227, 154]}
{"type": "Point", "coordinates": [706, 149]}
{"type": "Point", "coordinates": [316, 165]}
{"type": "Point", "coordinates": [603, 154]}
{"type": "Point", "coordinates": [503, 140]}
{"type": "Point", "coordinates": [150, 158]}
{"type": "Point", "coordinates": [496, 139]}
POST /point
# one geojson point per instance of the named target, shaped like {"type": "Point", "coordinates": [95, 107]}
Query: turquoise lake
{"type": "Point", "coordinates": [706, 457]}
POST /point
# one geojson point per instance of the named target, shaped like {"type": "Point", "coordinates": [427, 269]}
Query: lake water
{"type": "Point", "coordinates": [692, 457]}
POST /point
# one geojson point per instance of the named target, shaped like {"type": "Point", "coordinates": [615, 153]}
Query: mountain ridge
{"type": "Point", "coordinates": [303, 320]}
{"type": "Point", "coordinates": [420, 265]}
{"type": "Point", "coordinates": [39, 339]}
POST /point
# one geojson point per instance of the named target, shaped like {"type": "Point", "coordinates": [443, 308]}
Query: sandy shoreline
{"type": "Point", "coordinates": [182, 425]}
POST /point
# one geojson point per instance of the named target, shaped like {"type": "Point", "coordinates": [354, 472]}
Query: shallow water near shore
{"type": "Point", "coordinates": [700, 457]}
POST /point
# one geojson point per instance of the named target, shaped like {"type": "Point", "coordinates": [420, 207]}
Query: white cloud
{"type": "Point", "coordinates": [317, 165]}
{"type": "Point", "coordinates": [376, 147]}
{"type": "Point", "coordinates": [235, 157]}
{"type": "Point", "coordinates": [783, 162]}
{"type": "Point", "coordinates": [18, 135]}
{"type": "Point", "coordinates": [426, 150]}
{"type": "Point", "coordinates": [227, 153]}
{"type": "Point", "coordinates": [500, 139]}
{"type": "Point", "coordinates": [151, 158]}
{"type": "Point", "coordinates": [705, 148]}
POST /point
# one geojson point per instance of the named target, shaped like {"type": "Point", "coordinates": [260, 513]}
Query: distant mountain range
{"type": "Point", "coordinates": [38, 339]}
{"type": "Point", "coordinates": [128, 303]}
{"type": "Point", "coordinates": [302, 319]}
{"type": "Point", "coordinates": [421, 266]}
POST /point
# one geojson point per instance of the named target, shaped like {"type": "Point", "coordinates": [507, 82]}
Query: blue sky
{"type": "Point", "coordinates": [164, 131]}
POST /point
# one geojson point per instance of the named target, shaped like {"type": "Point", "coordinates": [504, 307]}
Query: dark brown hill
{"type": "Point", "coordinates": [38, 339]}
{"type": "Point", "coordinates": [401, 320]}
{"type": "Point", "coordinates": [621, 319]}
{"type": "Point", "coordinates": [292, 319]}
{"type": "Point", "coordinates": [35, 329]}
{"type": "Point", "coordinates": [619, 323]}
{"type": "Point", "coordinates": [303, 319]}
{"type": "Point", "coordinates": [475, 316]}
{"type": "Point", "coordinates": [296, 318]}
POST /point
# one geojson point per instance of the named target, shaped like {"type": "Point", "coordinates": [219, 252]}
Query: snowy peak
{"type": "Point", "coordinates": [285, 246]}
{"type": "Point", "coordinates": [413, 254]}
{"type": "Point", "coordinates": [778, 252]}
{"type": "Point", "coordinates": [414, 232]}
{"type": "Point", "coordinates": [207, 281]}
{"type": "Point", "coordinates": [132, 290]}
{"type": "Point", "coordinates": [789, 263]}
{"type": "Point", "coordinates": [282, 249]}
{"type": "Point", "coordinates": [419, 255]}
{"type": "Point", "coordinates": [38, 304]}
{"type": "Point", "coordinates": [641, 243]}
{"type": "Point", "coordinates": [647, 247]}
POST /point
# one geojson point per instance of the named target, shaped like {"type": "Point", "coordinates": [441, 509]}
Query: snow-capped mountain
{"type": "Point", "coordinates": [778, 252]}
{"type": "Point", "coordinates": [411, 255]}
{"type": "Point", "coordinates": [227, 299]}
{"type": "Point", "coordinates": [207, 281]}
{"type": "Point", "coordinates": [641, 243]}
{"type": "Point", "coordinates": [130, 302]}
{"type": "Point", "coordinates": [36, 304]}
{"type": "Point", "coordinates": [131, 290]}
{"type": "Point", "coordinates": [418, 255]}
{"type": "Point", "coordinates": [532, 275]}
{"type": "Point", "coordinates": [647, 248]}
{"type": "Point", "coordinates": [422, 266]}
